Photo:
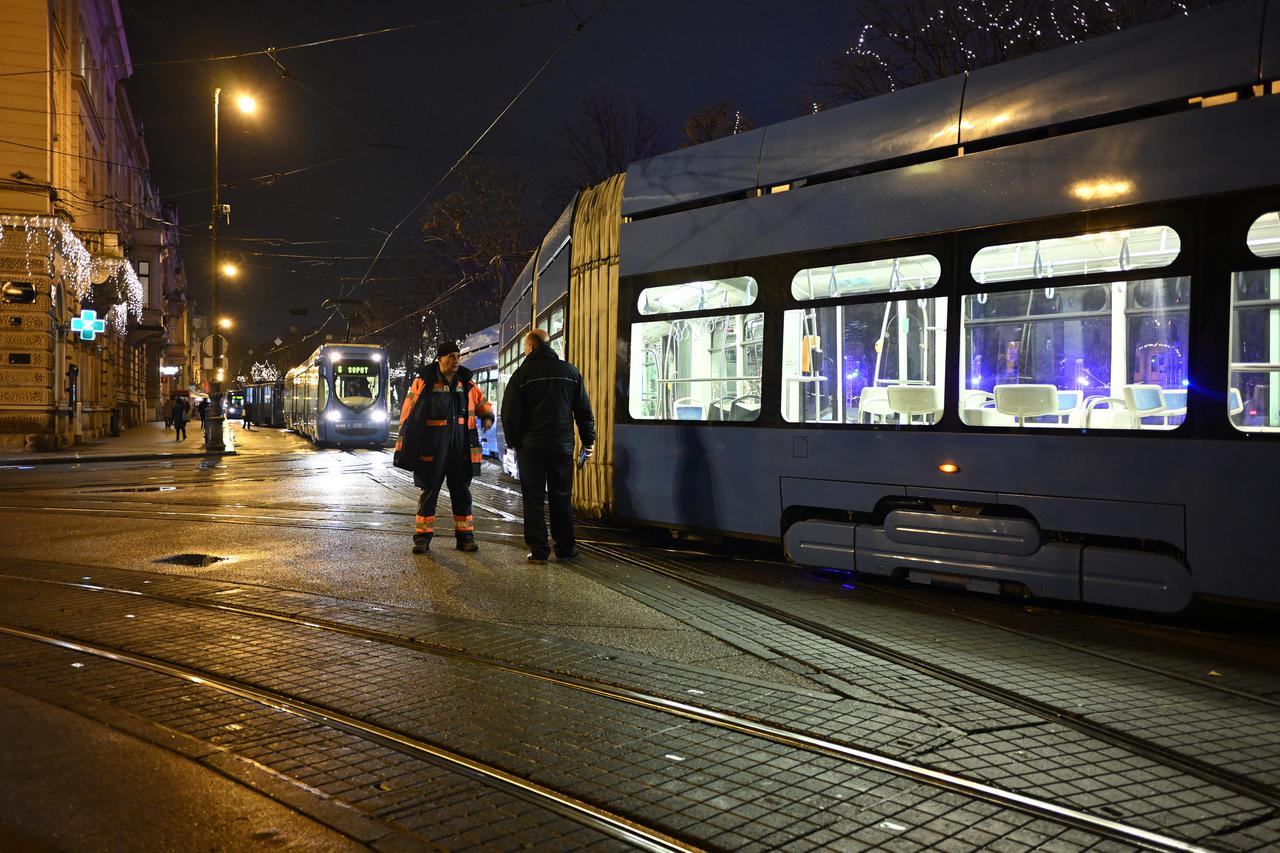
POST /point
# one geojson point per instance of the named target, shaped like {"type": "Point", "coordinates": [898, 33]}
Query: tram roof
{"type": "Point", "coordinates": [485, 337]}
{"type": "Point", "coordinates": [1130, 72]}
{"type": "Point", "coordinates": [523, 282]}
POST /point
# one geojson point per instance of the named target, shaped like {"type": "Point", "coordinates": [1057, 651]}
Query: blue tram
{"type": "Point", "coordinates": [479, 352]}
{"type": "Point", "coordinates": [338, 396]}
{"type": "Point", "coordinates": [1016, 331]}
{"type": "Point", "coordinates": [266, 400]}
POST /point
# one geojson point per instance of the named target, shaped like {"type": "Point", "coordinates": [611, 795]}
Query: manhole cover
{"type": "Point", "coordinates": [191, 559]}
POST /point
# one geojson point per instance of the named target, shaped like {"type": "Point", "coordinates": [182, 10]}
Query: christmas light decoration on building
{"type": "Point", "coordinates": [120, 272]}
{"type": "Point", "coordinates": [60, 256]}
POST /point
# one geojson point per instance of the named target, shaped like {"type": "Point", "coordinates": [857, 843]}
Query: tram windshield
{"type": "Point", "coordinates": [355, 383]}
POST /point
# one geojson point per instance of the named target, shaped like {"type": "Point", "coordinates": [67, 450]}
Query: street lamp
{"type": "Point", "coordinates": [213, 425]}
{"type": "Point", "coordinates": [225, 323]}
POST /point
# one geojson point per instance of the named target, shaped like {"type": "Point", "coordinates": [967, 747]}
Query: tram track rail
{"type": "Point", "coordinates": [573, 808]}
{"type": "Point", "coordinates": [247, 514]}
{"type": "Point", "coordinates": [1230, 780]}
{"type": "Point", "coordinates": [808, 742]}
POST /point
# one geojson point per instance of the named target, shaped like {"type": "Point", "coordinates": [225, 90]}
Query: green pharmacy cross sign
{"type": "Point", "coordinates": [88, 325]}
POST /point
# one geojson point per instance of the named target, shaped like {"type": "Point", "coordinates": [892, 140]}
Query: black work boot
{"type": "Point", "coordinates": [467, 541]}
{"type": "Point", "coordinates": [421, 543]}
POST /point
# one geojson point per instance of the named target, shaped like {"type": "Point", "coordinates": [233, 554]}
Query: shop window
{"type": "Point", "coordinates": [698, 296]}
{"type": "Point", "coordinates": [870, 363]}
{"type": "Point", "coordinates": [1083, 254]}
{"type": "Point", "coordinates": [1253, 385]}
{"type": "Point", "coordinates": [890, 275]}
{"type": "Point", "coordinates": [1097, 356]}
{"type": "Point", "coordinates": [698, 368]}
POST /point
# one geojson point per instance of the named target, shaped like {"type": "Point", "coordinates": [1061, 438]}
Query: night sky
{"type": "Point", "coordinates": [432, 90]}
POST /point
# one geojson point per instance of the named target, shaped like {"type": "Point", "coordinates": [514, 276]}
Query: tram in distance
{"type": "Point", "coordinates": [1016, 331]}
{"type": "Point", "coordinates": [338, 396]}
{"type": "Point", "coordinates": [479, 354]}
{"type": "Point", "coordinates": [266, 400]}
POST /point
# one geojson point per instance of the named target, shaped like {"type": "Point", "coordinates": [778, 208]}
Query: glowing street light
{"type": "Point", "coordinates": [225, 323]}
{"type": "Point", "coordinates": [213, 424]}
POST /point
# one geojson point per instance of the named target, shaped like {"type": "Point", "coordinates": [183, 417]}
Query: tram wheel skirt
{"type": "Point", "coordinates": [1071, 572]}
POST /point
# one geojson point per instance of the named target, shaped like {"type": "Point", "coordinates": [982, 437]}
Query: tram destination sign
{"type": "Point", "coordinates": [346, 369]}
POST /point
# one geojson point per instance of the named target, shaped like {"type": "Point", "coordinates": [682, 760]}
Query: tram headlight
{"type": "Point", "coordinates": [335, 357]}
{"type": "Point", "coordinates": [377, 356]}
{"type": "Point", "coordinates": [379, 416]}
{"type": "Point", "coordinates": [331, 415]}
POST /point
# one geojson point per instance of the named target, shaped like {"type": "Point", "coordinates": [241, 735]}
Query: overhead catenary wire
{"type": "Point", "coordinates": [580, 25]}
{"type": "Point", "coordinates": [227, 57]}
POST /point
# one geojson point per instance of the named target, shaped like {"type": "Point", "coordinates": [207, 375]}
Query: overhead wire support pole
{"type": "Point", "coordinates": [213, 438]}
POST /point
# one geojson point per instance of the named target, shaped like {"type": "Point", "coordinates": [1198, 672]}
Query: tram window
{"type": "Point", "coordinates": [871, 363]}
{"type": "Point", "coordinates": [1264, 235]}
{"type": "Point", "coordinates": [1100, 356]}
{"type": "Point", "coordinates": [916, 272]}
{"type": "Point", "coordinates": [699, 295]}
{"type": "Point", "coordinates": [698, 368]}
{"type": "Point", "coordinates": [1253, 386]}
{"type": "Point", "coordinates": [1083, 254]}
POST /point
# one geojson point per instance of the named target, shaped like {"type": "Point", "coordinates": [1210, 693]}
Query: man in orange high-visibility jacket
{"type": "Point", "coordinates": [439, 442]}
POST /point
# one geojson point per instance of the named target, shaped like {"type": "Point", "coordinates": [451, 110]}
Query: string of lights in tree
{"type": "Point", "coordinates": [51, 248]}
{"type": "Point", "coordinates": [975, 33]}
{"type": "Point", "coordinates": [262, 371]}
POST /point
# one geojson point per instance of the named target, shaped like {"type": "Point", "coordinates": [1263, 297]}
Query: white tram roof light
{"type": "Point", "coordinates": [335, 356]}
{"type": "Point", "coordinates": [377, 356]}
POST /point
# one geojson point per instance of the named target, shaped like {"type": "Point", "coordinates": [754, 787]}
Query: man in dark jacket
{"type": "Point", "coordinates": [543, 399]}
{"type": "Point", "coordinates": [439, 441]}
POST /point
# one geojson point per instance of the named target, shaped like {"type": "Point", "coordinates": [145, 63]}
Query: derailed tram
{"type": "Point", "coordinates": [1016, 331]}
{"type": "Point", "coordinates": [338, 396]}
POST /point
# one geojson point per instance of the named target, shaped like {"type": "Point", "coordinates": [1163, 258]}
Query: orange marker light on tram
{"type": "Point", "coordinates": [948, 467]}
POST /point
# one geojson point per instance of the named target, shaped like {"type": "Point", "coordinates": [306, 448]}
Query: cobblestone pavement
{"type": "Point", "coordinates": [448, 701]}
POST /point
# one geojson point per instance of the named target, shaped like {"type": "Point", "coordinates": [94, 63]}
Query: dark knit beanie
{"type": "Point", "coordinates": [446, 348]}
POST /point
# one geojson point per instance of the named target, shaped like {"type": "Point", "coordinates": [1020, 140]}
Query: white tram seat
{"type": "Point", "coordinates": [908, 401]}
{"type": "Point", "coordinates": [1026, 401]}
{"type": "Point", "coordinates": [1235, 402]}
{"type": "Point", "coordinates": [874, 403]}
{"type": "Point", "coordinates": [1175, 403]}
{"type": "Point", "coordinates": [1142, 400]}
{"type": "Point", "coordinates": [688, 409]}
{"type": "Point", "coordinates": [1070, 405]}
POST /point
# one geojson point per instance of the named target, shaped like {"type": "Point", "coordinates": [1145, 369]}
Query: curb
{"type": "Point", "coordinates": [109, 457]}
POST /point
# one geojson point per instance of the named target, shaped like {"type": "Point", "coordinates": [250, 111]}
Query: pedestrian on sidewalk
{"type": "Point", "coordinates": [166, 412]}
{"type": "Point", "coordinates": [203, 409]}
{"type": "Point", "coordinates": [181, 410]}
{"type": "Point", "coordinates": [439, 441]}
{"type": "Point", "coordinates": [247, 414]}
{"type": "Point", "coordinates": [543, 400]}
